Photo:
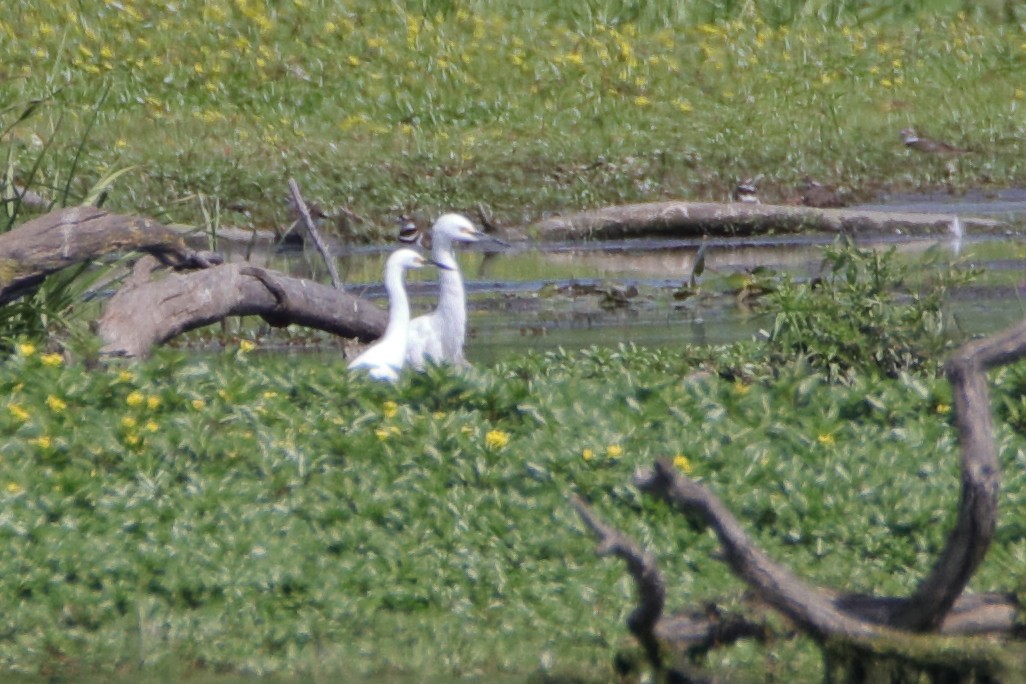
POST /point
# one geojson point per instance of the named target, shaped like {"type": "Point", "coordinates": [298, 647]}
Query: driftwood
{"type": "Point", "coordinates": [146, 311]}
{"type": "Point", "coordinates": [938, 632]}
{"type": "Point", "coordinates": [64, 238]}
{"type": "Point", "coordinates": [693, 219]}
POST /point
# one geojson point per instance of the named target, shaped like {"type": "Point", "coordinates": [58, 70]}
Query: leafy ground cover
{"type": "Point", "coordinates": [271, 514]}
{"type": "Point", "coordinates": [534, 108]}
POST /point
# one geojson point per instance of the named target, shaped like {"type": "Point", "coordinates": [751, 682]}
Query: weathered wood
{"type": "Point", "coordinates": [686, 219]}
{"type": "Point", "coordinates": [63, 238]}
{"type": "Point", "coordinates": [311, 229]}
{"type": "Point", "coordinates": [147, 312]}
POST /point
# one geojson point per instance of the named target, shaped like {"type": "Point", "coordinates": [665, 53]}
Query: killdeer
{"type": "Point", "coordinates": [745, 191]}
{"type": "Point", "coordinates": [409, 232]}
{"type": "Point", "coordinates": [914, 141]}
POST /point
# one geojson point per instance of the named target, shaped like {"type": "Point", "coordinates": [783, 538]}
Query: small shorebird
{"type": "Point", "coordinates": [815, 194]}
{"type": "Point", "coordinates": [921, 143]}
{"type": "Point", "coordinates": [745, 191]}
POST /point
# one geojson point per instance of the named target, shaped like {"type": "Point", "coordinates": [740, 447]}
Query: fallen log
{"type": "Point", "coordinates": [54, 241]}
{"type": "Point", "coordinates": [696, 219]}
{"type": "Point", "coordinates": [146, 312]}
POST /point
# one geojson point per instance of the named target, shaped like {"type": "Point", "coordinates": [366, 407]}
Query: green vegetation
{"type": "Point", "coordinates": [527, 108]}
{"type": "Point", "coordinates": [246, 512]}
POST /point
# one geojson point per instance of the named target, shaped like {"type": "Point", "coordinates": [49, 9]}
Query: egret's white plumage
{"type": "Point", "coordinates": [439, 335]}
{"type": "Point", "coordinates": [384, 359]}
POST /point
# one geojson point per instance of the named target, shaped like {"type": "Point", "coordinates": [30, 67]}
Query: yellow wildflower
{"type": "Point", "coordinates": [826, 439]}
{"type": "Point", "coordinates": [131, 439]}
{"type": "Point", "coordinates": [496, 439]}
{"type": "Point", "coordinates": [741, 388]}
{"type": "Point", "coordinates": [943, 408]}
{"type": "Point", "coordinates": [198, 404]}
{"type": "Point", "coordinates": [52, 359]}
{"type": "Point", "coordinates": [389, 409]}
{"type": "Point", "coordinates": [152, 426]}
{"type": "Point", "coordinates": [642, 101]}
{"type": "Point", "coordinates": [246, 346]}
{"type": "Point", "coordinates": [382, 434]}
{"type": "Point", "coordinates": [614, 451]}
{"type": "Point", "coordinates": [18, 412]}
{"type": "Point", "coordinates": [26, 349]}
{"type": "Point", "coordinates": [135, 398]}
{"type": "Point", "coordinates": [128, 422]}
{"type": "Point", "coordinates": [14, 488]}
{"type": "Point", "coordinates": [681, 461]}
{"type": "Point", "coordinates": [587, 454]}
{"type": "Point", "coordinates": [353, 60]}
{"type": "Point", "coordinates": [56, 404]}
{"type": "Point", "coordinates": [42, 442]}
{"type": "Point", "coordinates": [153, 402]}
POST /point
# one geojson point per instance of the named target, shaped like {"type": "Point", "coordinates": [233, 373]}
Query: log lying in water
{"type": "Point", "coordinates": [687, 219]}
{"type": "Point", "coordinates": [146, 311]}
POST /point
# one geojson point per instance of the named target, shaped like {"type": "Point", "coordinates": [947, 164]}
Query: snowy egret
{"type": "Point", "coordinates": [439, 335]}
{"type": "Point", "coordinates": [385, 358]}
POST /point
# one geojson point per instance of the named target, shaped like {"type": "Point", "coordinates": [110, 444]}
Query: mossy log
{"type": "Point", "coordinates": [939, 633]}
{"type": "Point", "coordinates": [696, 219]}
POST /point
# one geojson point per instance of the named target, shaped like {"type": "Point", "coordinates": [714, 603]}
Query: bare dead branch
{"type": "Point", "coordinates": [148, 312]}
{"type": "Point", "coordinates": [304, 214]}
{"type": "Point", "coordinates": [737, 218]}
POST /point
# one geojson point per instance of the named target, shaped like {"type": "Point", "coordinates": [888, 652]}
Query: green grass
{"type": "Point", "coordinates": [528, 109]}
{"type": "Point", "coordinates": [273, 514]}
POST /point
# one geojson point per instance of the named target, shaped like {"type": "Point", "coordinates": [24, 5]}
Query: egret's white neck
{"type": "Point", "coordinates": [452, 299]}
{"type": "Point", "coordinates": [398, 310]}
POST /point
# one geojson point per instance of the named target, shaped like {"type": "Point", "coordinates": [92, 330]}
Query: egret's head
{"type": "Point", "coordinates": [455, 228]}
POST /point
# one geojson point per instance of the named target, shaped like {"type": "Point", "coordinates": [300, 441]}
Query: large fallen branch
{"type": "Point", "coordinates": [935, 631]}
{"type": "Point", "coordinates": [63, 238]}
{"type": "Point", "coordinates": [147, 311]}
{"type": "Point", "coordinates": [687, 219]}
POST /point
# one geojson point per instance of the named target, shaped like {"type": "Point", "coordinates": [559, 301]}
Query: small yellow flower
{"type": "Point", "coordinates": [152, 426]}
{"type": "Point", "coordinates": [587, 454]}
{"type": "Point", "coordinates": [14, 488]}
{"type": "Point", "coordinates": [199, 404]}
{"type": "Point", "coordinates": [614, 451]}
{"type": "Point", "coordinates": [353, 60]}
{"type": "Point", "coordinates": [125, 376]}
{"type": "Point", "coordinates": [128, 422]}
{"type": "Point", "coordinates": [26, 349]}
{"type": "Point", "coordinates": [56, 404]}
{"type": "Point", "coordinates": [681, 461]}
{"type": "Point", "coordinates": [741, 388]}
{"type": "Point", "coordinates": [270, 394]}
{"type": "Point", "coordinates": [389, 409]}
{"type": "Point", "coordinates": [246, 346]}
{"type": "Point", "coordinates": [642, 101]}
{"type": "Point", "coordinates": [153, 402]}
{"type": "Point", "coordinates": [43, 442]}
{"type": "Point", "coordinates": [18, 412]}
{"type": "Point", "coordinates": [684, 107]}
{"type": "Point", "coordinates": [135, 398]}
{"type": "Point", "coordinates": [438, 415]}
{"type": "Point", "coordinates": [52, 359]}
{"type": "Point", "coordinates": [943, 408]}
{"type": "Point", "coordinates": [382, 434]}
{"type": "Point", "coordinates": [131, 439]}
{"type": "Point", "coordinates": [496, 439]}
{"type": "Point", "coordinates": [826, 439]}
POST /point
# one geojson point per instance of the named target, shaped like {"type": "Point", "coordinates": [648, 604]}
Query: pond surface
{"type": "Point", "coordinates": [571, 295]}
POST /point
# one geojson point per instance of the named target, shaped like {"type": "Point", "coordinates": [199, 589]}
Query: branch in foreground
{"type": "Point", "coordinates": [60, 239]}
{"type": "Point", "coordinates": [147, 312]}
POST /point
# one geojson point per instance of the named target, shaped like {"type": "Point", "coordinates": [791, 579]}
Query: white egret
{"type": "Point", "coordinates": [439, 336]}
{"type": "Point", "coordinates": [385, 358]}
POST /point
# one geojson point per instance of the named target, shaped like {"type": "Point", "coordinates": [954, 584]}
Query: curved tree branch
{"type": "Point", "coordinates": [147, 312]}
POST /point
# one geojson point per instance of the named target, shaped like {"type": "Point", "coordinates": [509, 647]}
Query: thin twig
{"type": "Point", "coordinates": [304, 214]}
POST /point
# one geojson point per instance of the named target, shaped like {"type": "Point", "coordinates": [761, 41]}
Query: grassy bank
{"type": "Point", "coordinates": [269, 514]}
{"type": "Point", "coordinates": [527, 109]}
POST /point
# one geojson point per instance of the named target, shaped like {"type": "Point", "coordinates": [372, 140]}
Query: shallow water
{"type": "Point", "coordinates": [547, 295]}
